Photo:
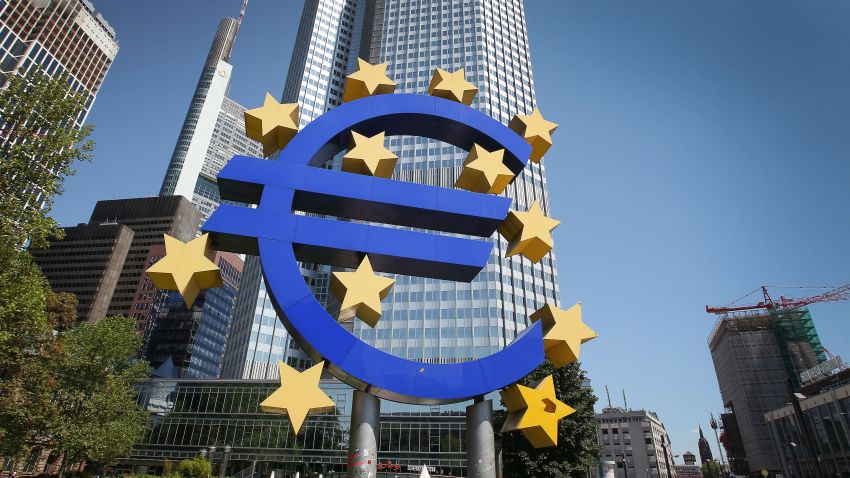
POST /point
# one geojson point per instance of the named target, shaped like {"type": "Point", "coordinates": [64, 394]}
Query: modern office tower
{"type": "Point", "coordinates": [87, 263]}
{"type": "Point", "coordinates": [636, 441]}
{"type": "Point", "coordinates": [149, 218]}
{"type": "Point", "coordinates": [754, 355]}
{"type": "Point", "coordinates": [424, 319]}
{"type": "Point", "coordinates": [58, 36]}
{"type": "Point", "coordinates": [704, 448]}
{"type": "Point", "coordinates": [194, 339]}
{"type": "Point", "coordinates": [103, 262]}
{"type": "Point", "coordinates": [213, 131]}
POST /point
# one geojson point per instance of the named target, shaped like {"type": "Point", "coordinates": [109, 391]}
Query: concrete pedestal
{"type": "Point", "coordinates": [480, 442]}
{"type": "Point", "coordinates": [363, 441]}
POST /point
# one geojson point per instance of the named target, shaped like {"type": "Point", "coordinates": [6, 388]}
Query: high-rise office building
{"type": "Point", "coordinates": [103, 262]}
{"type": "Point", "coordinates": [423, 319]}
{"type": "Point", "coordinates": [87, 263]}
{"type": "Point", "coordinates": [149, 218]}
{"type": "Point", "coordinates": [636, 441]}
{"type": "Point", "coordinates": [58, 36]}
{"type": "Point", "coordinates": [213, 131]}
{"type": "Point", "coordinates": [756, 355]}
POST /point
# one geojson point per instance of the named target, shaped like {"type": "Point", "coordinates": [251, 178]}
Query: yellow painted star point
{"type": "Point", "coordinates": [535, 412]}
{"type": "Point", "coordinates": [369, 156]}
{"type": "Point", "coordinates": [368, 80]}
{"type": "Point", "coordinates": [563, 333]}
{"type": "Point", "coordinates": [529, 233]}
{"type": "Point", "coordinates": [536, 130]}
{"type": "Point", "coordinates": [360, 293]}
{"type": "Point", "coordinates": [299, 394]}
{"type": "Point", "coordinates": [452, 86]}
{"type": "Point", "coordinates": [484, 172]}
{"type": "Point", "coordinates": [272, 124]}
{"type": "Point", "coordinates": [186, 268]}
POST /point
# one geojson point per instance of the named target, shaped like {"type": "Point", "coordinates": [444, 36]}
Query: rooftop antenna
{"type": "Point", "coordinates": [609, 396]}
{"type": "Point", "coordinates": [625, 403]}
{"type": "Point", "coordinates": [242, 11]}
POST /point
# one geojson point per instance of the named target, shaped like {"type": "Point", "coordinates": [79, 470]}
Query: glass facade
{"type": "Point", "coordinates": [424, 319]}
{"type": "Point", "coordinates": [212, 132]}
{"type": "Point", "coordinates": [826, 417]}
{"type": "Point", "coordinates": [194, 339]}
{"type": "Point", "coordinates": [190, 415]}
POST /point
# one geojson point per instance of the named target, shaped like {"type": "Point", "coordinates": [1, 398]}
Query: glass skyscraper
{"type": "Point", "coordinates": [213, 130]}
{"type": "Point", "coordinates": [423, 319]}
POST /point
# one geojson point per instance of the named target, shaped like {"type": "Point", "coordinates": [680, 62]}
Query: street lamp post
{"type": "Point", "coordinates": [715, 426]}
{"type": "Point", "coordinates": [803, 425]}
{"type": "Point", "coordinates": [625, 466]}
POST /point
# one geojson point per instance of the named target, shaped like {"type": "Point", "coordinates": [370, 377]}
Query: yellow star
{"type": "Point", "coordinates": [369, 156]}
{"type": "Point", "coordinates": [360, 292]}
{"type": "Point", "coordinates": [452, 86]}
{"type": "Point", "coordinates": [535, 412]}
{"type": "Point", "coordinates": [368, 80]}
{"type": "Point", "coordinates": [536, 130]}
{"type": "Point", "coordinates": [563, 333]}
{"type": "Point", "coordinates": [186, 268]}
{"type": "Point", "coordinates": [298, 395]}
{"type": "Point", "coordinates": [484, 172]}
{"type": "Point", "coordinates": [529, 233]}
{"type": "Point", "coordinates": [272, 124]}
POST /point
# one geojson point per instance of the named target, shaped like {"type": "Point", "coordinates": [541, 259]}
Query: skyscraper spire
{"type": "Point", "coordinates": [242, 11]}
{"type": "Point", "coordinates": [704, 448]}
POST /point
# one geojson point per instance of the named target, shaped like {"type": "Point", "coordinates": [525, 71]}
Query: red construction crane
{"type": "Point", "coordinates": [839, 293]}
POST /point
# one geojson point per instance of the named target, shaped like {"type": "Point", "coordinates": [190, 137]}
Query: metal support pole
{"type": "Point", "coordinates": [211, 458]}
{"type": "Point", "coordinates": [480, 441]}
{"type": "Point", "coordinates": [225, 458]}
{"type": "Point", "coordinates": [363, 442]}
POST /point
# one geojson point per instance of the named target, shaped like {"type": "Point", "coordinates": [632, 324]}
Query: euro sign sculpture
{"type": "Point", "coordinates": [308, 213]}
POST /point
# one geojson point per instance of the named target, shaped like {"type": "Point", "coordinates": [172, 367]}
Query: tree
{"type": "Point", "coordinates": [577, 450]}
{"type": "Point", "coordinates": [98, 418]}
{"type": "Point", "coordinates": [39, 141]}
{"type": "Point", "coordinates": [711, 469]}
{"type": "Point", "coordinates": [26, 351]}
{"type": "Point", "coordinates": [37, 137]}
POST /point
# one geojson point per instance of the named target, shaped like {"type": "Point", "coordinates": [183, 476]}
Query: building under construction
{"type": "Point", "coordinates": [757, 352]}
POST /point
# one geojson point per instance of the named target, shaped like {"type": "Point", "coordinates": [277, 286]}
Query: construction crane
{"type": "Point", "coordinates": [837, 294]}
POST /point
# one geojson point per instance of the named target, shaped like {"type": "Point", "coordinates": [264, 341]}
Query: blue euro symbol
{"type": "Point", "coordinates": [296, 183]}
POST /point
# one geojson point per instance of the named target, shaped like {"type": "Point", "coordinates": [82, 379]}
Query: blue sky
{"type": "Point", "coordinates": [703, 150]}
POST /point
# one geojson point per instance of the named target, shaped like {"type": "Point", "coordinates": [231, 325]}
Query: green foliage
{"type": "Point", "coordinates": [98, 416]}
{"type": "Point", "coordinates": [711, 469]}
{"type": "Point", "coordinates": [26, 352]}
{"type": "Point", "coordinates": [63, 386]}
{"type": "Point", "coordinates": [39, 142]}
{"type": "Point", "coordinates": [577, 449]}
{"type": "Point", "coordinates": [195, 468]}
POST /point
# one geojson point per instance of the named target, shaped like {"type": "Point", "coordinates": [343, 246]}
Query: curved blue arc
{"type": "Point", "coordinates": [280, 238]}
{"type": "Point", "coordinates": [365, 367]}
{"type": "Point", "coordinates": [405, 114]}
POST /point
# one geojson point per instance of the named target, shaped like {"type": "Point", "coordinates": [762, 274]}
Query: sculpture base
{"type": "Point", "coordinates": [363, 441]}
{"type": "Point", "coordinates": [480, 441]}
